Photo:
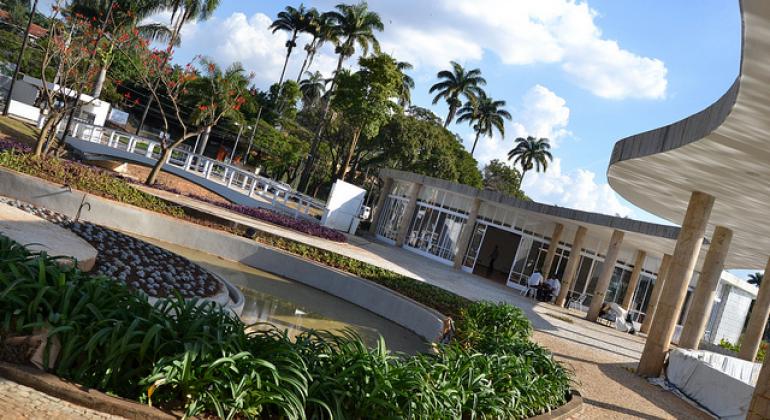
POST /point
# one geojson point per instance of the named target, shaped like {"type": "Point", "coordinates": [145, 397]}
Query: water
{"type": "Point", "coordinates": [295, 307]}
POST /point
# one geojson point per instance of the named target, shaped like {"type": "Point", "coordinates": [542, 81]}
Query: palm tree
{"type": "Point", "coordinates": [457, 82]}
{"type": "Point", "coordinates": [407, 84]}
{"type": "Point", "coordinates": [352, 25]}
{"type": "Point", "coordinates": [486, 115]}
{"type": "Point", "coordinates": [293, 21]}
{"type": "Point", "coordinates": [756, 278]}
{"type": "Point", "coordinates": [531, 153]}
{"type": "Point", "coordinates": [322, 31]}
{"type": "Point", "coordinates": [312, 88]}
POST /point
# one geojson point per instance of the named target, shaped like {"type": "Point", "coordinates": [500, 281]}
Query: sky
{"type": "Point", "coordinates": [584, 74]}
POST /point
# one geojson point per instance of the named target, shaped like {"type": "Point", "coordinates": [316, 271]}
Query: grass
{"type": "Point", "coordinates": [17, 130]}
{"type": "Point", "coordinates": [178, 354]}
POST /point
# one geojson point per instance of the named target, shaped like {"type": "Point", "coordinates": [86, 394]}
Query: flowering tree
{"type": "Point", "coordinates": [66, 68]}
{"type": "Point", "coordinates": [173, 84]}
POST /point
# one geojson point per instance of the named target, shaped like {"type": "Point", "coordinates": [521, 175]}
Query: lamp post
{"type": "Point", "coordinates": [21, 56]}
{"type": "Point", "coordinates": [251, 141]}
{"type": "Point", "coordinates": [238, 137]}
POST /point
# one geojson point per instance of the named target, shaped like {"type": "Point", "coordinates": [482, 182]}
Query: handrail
{"type": "Point", "coordinates": [232, 177]}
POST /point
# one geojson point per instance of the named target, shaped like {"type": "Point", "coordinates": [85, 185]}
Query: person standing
{"type": "Point", "coordinates": [492, 258]}
{"type": "Point", "coordinates": [533, 283]}
{"type": "Point", "coordinates": [555, 286]}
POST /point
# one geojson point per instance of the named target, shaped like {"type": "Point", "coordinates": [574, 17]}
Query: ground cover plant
{"type": "Point", "coordinates": [177, 354]}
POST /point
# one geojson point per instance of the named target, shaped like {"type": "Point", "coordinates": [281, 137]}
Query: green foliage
{"type": "Point", "coordinates": [500, 177]}
{"type": "Point", "coordinates": [488, 327]}
{"type": "Point", "coordinates": [737, 347]}
{"type": "Point", "coordinates": [277, 151]}
{"type": "Point", "coordinates": [84, 178]}
{"type": "Point", "coordinates": [199, 358]}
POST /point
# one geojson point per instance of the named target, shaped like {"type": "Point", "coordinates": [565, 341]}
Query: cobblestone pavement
{"type": "Point", "coordinates": [21, 402]}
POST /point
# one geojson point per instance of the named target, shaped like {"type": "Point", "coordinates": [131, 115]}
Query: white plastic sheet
{"type": "Point", "coordinates": [722, 384]}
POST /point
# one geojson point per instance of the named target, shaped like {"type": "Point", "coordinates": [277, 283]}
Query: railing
{"type": "Point", "coordinates": [249, 184]}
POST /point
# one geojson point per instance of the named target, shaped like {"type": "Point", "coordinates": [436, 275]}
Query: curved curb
{"type": "Point", "coordinates": [76, 394]}
{"type": "Point", "coordinates": [571, 410]}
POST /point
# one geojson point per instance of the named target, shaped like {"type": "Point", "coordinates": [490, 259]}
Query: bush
{"type": "Point", "coordinates": [487, 327]}
{"type": "Point", "coordinates": [199, 358]}
{"type": "Point", "coordinates": [737, 347]}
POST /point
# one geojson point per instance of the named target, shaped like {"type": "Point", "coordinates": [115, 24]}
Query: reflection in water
{"type": "Point", "coordinates": [294, 307]}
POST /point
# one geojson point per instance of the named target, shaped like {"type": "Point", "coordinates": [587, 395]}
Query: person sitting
{"type": "Point", "coordinates": [533, 284]}
{"type": "Point", "coordinates": [555, 286]}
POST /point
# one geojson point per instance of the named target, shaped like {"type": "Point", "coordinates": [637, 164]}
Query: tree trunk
{"type": "Point", "coordinates": [100, 82]}
{"type": "Point", "coordinates": [286, 63]}
{"type": "Point", "coordinates": [204, 141]}
{"type": "Point", "coordinates": [43, 136]}
{"type": "Point", "coordinates": [349, 155]}
{"type": "Point", "coordinates": [307, 170]}
{"type": "Point", "coordinates": [153, 176]}
{"type": "Point", "coordinates": [450, 115]}
{"type": "Point", "coordinates": [473, 149]}
{"type": "Point", "coordinates": [521, 178]}
{"type": "Point", "coordinates": [305, 62]}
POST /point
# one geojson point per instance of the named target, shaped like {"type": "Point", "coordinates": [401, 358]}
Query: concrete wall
{"type": "Point", "coordinates": [735, 307]}
{"type": "Point", "coordinates": [411, 315]}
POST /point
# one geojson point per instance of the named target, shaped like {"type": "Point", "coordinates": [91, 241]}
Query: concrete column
{"type": "Point", "coordinates": [387, 187]}
{"type": "Point", "coordinates": [675, 287]}
{"type": "Point", "coordinates": [759, 409]}
{"type": "Point", "coordinates": [552, 248]}
{"type": "Point", "coordinates": [703, 298]}
{"type": "Point", "coordinates": [406, 220]}
{"type": "Point", "coordinates": [467, 233]}
{"type": "Point", "coordinates": [759, 313]}
{"type": "Point", "coordinates": [613, 249]}
{"type": "Point", "coordinates": [636, 274]}
{"type": "Point", "coordinates": [665, 264]}
{"type": "Point", "coordinates": [572, 265]}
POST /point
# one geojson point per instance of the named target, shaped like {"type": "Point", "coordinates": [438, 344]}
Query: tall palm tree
{"type": "Point", "coordinates": [487, 116]}
{"type": "Point", "coordinates": [407, 84]}
{"type": "Point", "coordinates": [756, 278]}
{"type": "Point", "coordinates": [457, 82]}
{"type": "Point", "coordinates": [312, 88]}
{"type": "Point", "coordinates": [353, 25]}
{"type": "Point", "coordinates": [292, 21]}
{"type": "Point", "coordinates": [321, 30]}
{"type": "Point", "coordinates": [531, 153]}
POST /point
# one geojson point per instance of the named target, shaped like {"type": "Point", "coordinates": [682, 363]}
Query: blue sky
{"type": "Point", "coordinates": [584, 74]}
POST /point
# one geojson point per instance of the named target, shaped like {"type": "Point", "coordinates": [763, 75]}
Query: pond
{"type": "Point", "coordinates": [295, 307]}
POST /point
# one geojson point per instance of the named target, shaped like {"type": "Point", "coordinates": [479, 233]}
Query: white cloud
{"type": "Point", "coordinates": [577, 190]}
{"type": "Point", "coordinates": [522, 32]}
{"type": "Point", "coordinates": [541, 113]}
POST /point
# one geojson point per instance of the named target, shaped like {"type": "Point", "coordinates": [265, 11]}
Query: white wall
{"type": "Point", "coordinates": [735, 306]}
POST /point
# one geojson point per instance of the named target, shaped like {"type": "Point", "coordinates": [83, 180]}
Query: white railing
{"type": "Point", "coordinates": [280, 195]}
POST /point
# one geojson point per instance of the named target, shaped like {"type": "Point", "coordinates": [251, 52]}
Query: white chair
{"type": "Point", "coordinates": [576, 302]}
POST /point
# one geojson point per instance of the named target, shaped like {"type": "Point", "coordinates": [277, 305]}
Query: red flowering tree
{"type": "Point", "coordinates": [66, 67]}
{"type": "Point", "coordinates": [174, 83]}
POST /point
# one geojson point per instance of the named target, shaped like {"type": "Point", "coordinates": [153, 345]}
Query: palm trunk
{"type": "Point", "coordinates": [100, 82]}
{"type": "Point", "coordinates": [473, 149]}
{"type": "Point", "coordinates": [521, 178]}
{"type": "Point", "coordinates": [286, 62]}
{"type": "Point", "coordinates": [450, 115]}
{"type": "Point", "coordinates": [307, 170]}
{"type": "Point", "coordinates": [349, 155]}
{"type": "Point", "coordinates": [153, 176]}
{"type": "Point", "coordinates": [305, 62]}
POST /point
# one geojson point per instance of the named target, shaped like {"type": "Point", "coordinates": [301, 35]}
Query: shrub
{"type": "Point", "coordinates": [199, 358]}
{"type": "Point", "coordinates": [737, 347]}
{"type": "Point", "coordinates": [487, 327]}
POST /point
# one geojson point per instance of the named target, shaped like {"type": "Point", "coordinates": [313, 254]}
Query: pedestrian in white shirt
{"type": "Point", "coordinates": [555, 286]}
{"type": "Point", "coordinates": [533, 283]}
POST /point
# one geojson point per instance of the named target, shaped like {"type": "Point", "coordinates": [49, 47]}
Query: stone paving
{"type": "Point", "coordinates": [21, 402]}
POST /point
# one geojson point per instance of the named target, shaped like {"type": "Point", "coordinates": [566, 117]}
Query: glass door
{"type": "Point", "coordinates": [473, 248]}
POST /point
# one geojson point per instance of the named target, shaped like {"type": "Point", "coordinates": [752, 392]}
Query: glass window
{"type": "Point", "coordinates": [390, 221]}
{"type": "Point", "coordinates": [435, 232]}
{"type": "Point", "coordinates": [475, 245]}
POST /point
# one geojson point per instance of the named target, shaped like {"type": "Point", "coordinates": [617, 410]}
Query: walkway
{"type": "Point", "coordinates": [602, 358]}
{"type": "Point", "coordinates": [21, 402]}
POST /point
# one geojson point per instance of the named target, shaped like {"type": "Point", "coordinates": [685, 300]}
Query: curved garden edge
{"type": "Point", "coordinates": [414, 316]}
{"type": "Point", "coordinates": [99, 401]}
{"type": "Point", "coordinates": [79, 395]}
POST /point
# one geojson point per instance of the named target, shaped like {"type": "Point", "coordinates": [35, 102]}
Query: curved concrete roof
{"type": "Point", "coordinates": [723, 150]}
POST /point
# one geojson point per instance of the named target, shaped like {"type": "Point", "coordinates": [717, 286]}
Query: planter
{"type": "Point", "coordinates": [569, 411]}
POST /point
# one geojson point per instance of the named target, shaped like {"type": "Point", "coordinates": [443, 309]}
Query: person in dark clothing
{"type": "Point", "coordinates": [492, 258]}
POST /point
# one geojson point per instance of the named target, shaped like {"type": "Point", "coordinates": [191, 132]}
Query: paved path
{"type": "Point", "coordinates": [20, 402]}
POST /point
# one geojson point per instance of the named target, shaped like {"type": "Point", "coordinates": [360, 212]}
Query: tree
{"type": "Point", "coordinates": [407, 84]}
{"type": "Point", "coordinates": [457, 82]}
{"type": "Point", "coordinates": [365, 99]}
{"type": "Point", "coordinates": [312, 89]}
{"type": "Point", "coordinates": [486, 115]}
{"type": "Point", "coordinates": [756, 278]}
{"type": "Point", "coordinates": [500, 177]}
{"type": "Point", "coordinates": [124, 14]}
{"type": "Point", "coordinates": [320, 28]}
{"type": "Point", "coordinates": [227, 92]}
{"type": "Point", "coordinates": [531, 153]}
{"type": "Point", "coordinates": [293, 21]}
{"type": "Point", "coordinates": [352, 25]}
